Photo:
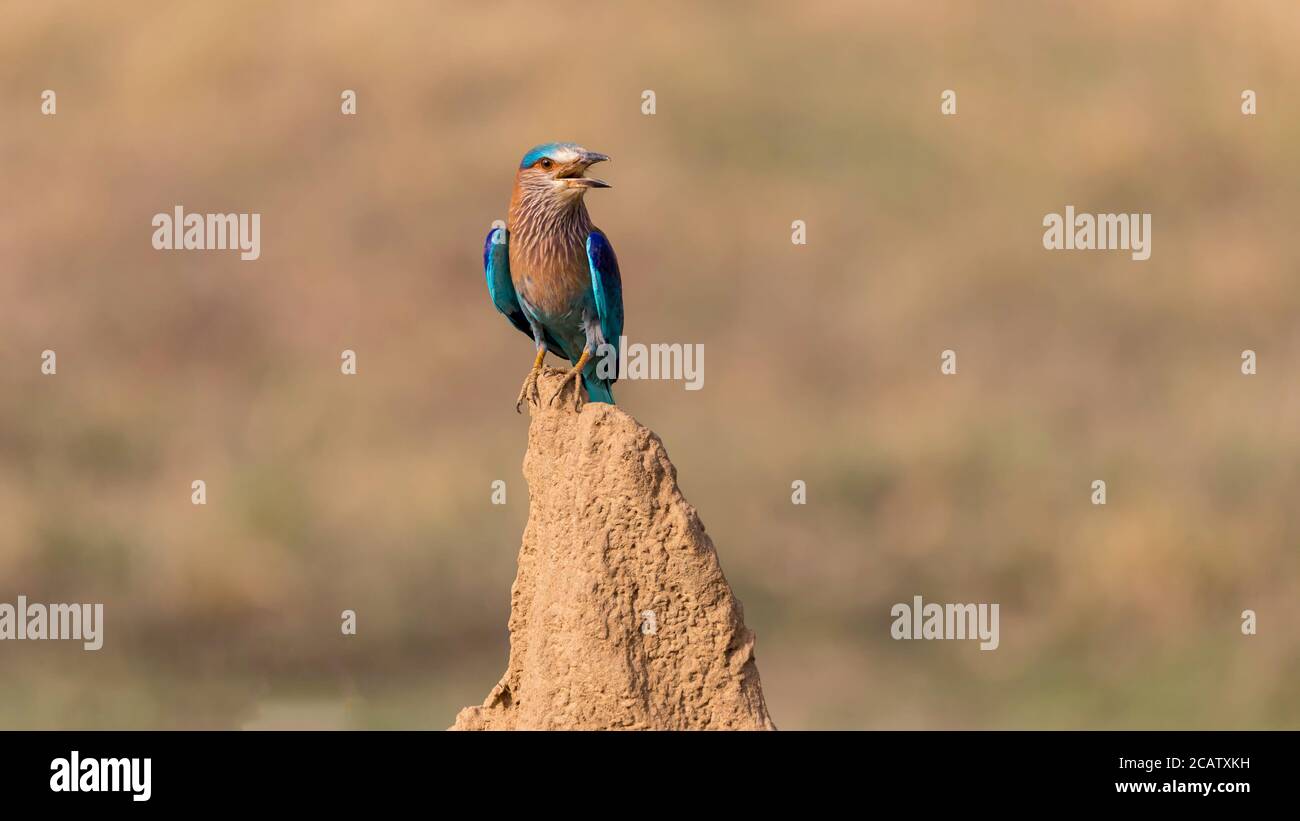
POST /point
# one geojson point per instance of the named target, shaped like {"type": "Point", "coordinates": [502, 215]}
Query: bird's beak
{"type": "Point", "coordinates": [590, 158]}
{"type": "Point", "coordinates": [587, 182]}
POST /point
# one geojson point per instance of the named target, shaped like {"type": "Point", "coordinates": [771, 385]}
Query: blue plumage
{"type": "Point", "coordinates": [496, 266]}
{"type": "Point", "coordinates": [606, 285]}
{"type": "Point", "coordinates": [545, 150]}
{"type": "Point", "coordinates": [607, 293]}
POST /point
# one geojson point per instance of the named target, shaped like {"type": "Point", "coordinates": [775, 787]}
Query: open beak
{"type": "Point", "coordinates": [589, 159]}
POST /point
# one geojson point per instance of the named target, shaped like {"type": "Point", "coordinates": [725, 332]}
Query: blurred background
{"type": "Point", "coordinates": [372, 492]}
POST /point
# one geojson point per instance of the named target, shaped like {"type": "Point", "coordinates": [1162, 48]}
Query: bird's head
{"type": "Point", "coordinates": [558, 170]}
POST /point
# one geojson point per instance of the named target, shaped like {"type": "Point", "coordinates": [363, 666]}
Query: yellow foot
{"type": "Point", "coordinates": [575, 376]}
{"type": "Point", "coordinates": [529, 390]}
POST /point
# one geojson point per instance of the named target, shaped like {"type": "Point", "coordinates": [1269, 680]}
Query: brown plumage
{"type": "Point", "coordinates": [548, 246]}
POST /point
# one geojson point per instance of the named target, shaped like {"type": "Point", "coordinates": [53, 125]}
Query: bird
{"type": "Point", "coordinates": [554, 275]}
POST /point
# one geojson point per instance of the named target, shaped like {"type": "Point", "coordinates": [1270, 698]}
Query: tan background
{"type": "Point", "coordinates": [372, 492]}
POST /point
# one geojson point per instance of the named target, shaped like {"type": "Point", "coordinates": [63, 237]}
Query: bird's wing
{"type": "Point", "coordinates": [496, 267]}
{"type": "Point", "coordinates": [606, 285]}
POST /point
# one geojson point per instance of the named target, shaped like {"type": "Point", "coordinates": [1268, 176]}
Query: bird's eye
{"type": "Point", "coordinates": [546, 164]}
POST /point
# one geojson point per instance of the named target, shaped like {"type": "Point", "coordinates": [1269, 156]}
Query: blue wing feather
{"type": "Point", "coordinates": [496, 267]}
{"type": "Point", "coordinates": [606, 285]}
{"type": "Point", "coordinates": [607, 288]}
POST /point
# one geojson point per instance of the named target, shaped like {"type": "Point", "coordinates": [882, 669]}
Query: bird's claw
{"type": "Point", "coordinates": [573, 376]}
{"type": "Point", "coordinates": [529, 391]}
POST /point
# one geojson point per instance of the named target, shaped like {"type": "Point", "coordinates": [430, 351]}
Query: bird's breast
{"type": "Point", "coordinates": [552, 278]}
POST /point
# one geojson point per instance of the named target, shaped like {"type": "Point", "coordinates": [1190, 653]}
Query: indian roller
{"type": "Point", "coordinates": [553, 273]}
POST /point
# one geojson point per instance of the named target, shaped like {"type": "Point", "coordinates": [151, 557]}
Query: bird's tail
{"type": "Point", "coordinates": [598, 390]}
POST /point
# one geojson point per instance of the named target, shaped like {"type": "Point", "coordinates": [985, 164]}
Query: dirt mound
{"type": "Point", "coordinates": [620, 616]}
